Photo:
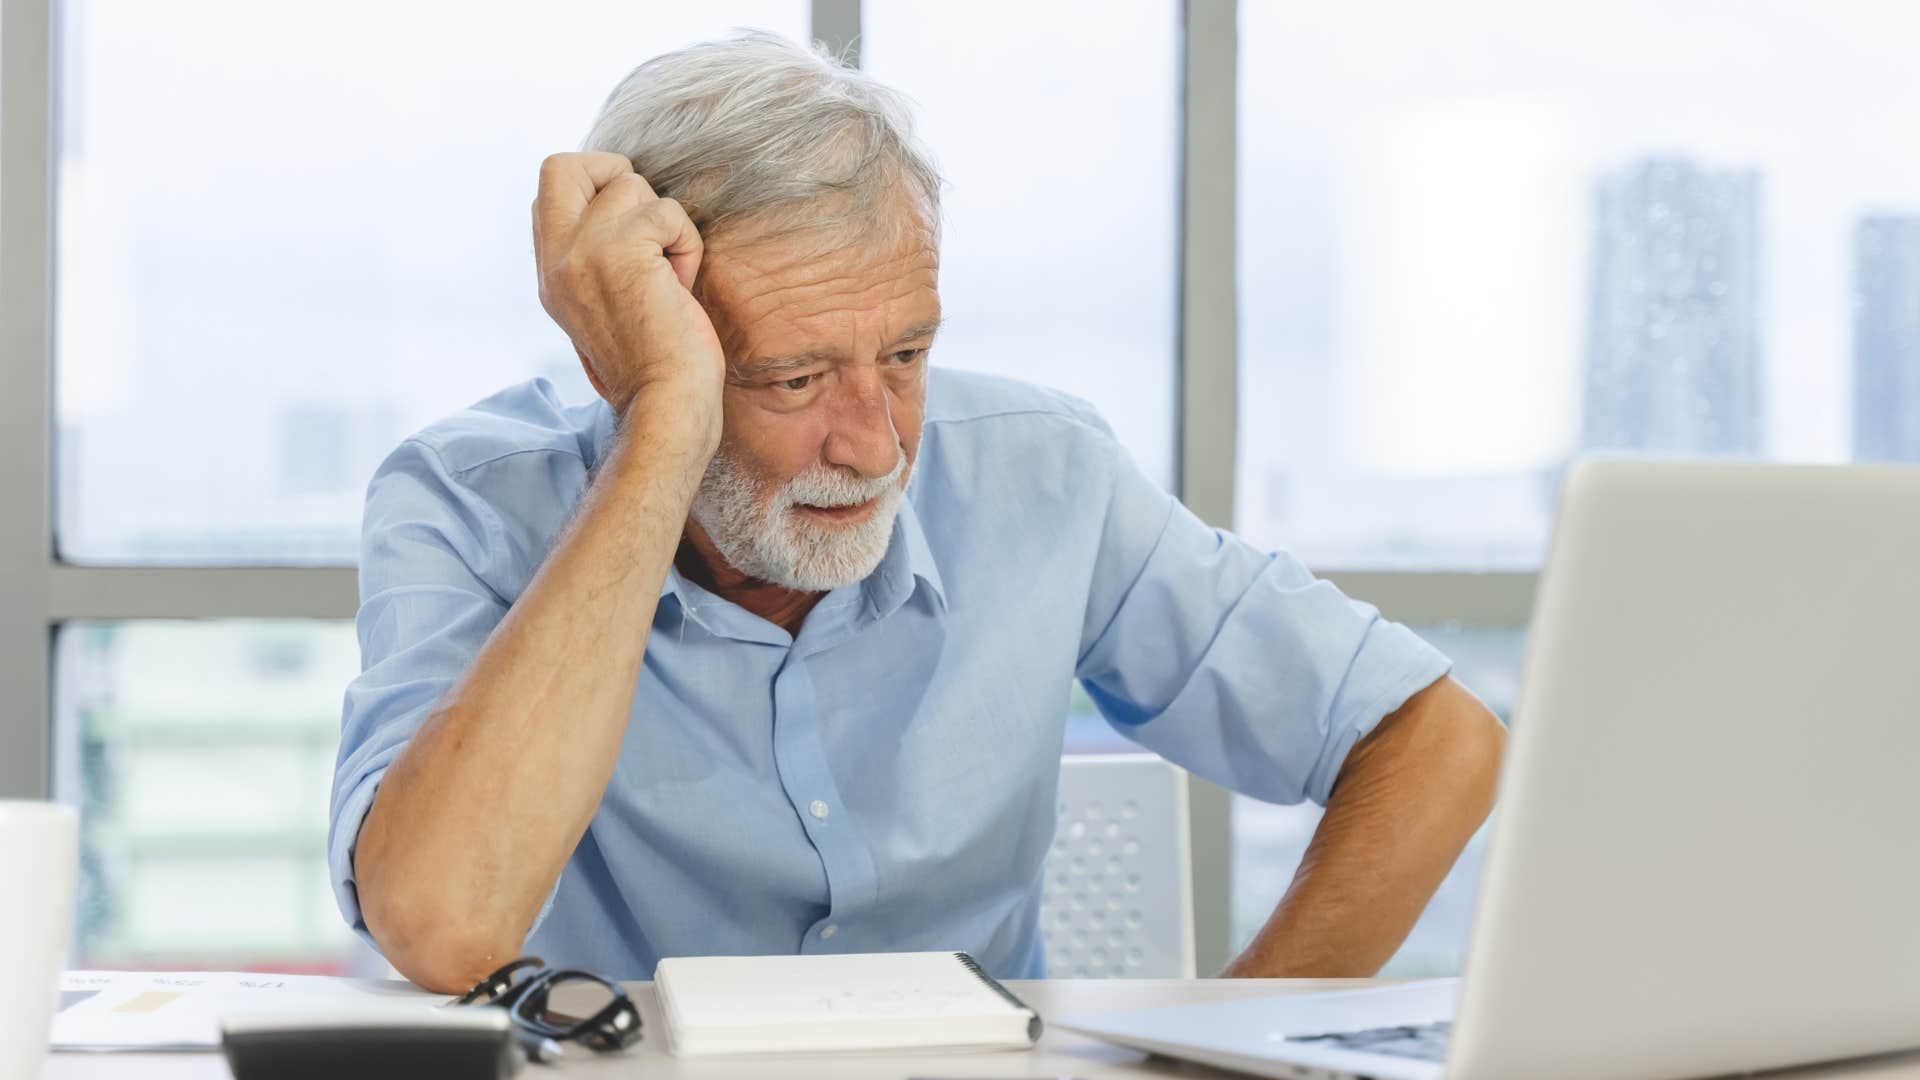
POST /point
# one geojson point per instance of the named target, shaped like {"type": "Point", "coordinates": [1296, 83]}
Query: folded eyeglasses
{"type": "Point", "coordinates": [561, 1004]}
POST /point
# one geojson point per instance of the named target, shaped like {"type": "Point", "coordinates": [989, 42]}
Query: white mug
{"type": "Point", "coordinates": [39, 856]}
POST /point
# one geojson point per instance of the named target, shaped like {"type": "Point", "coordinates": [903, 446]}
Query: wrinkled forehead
{"type": "Point", "coordinates": [813, 287]}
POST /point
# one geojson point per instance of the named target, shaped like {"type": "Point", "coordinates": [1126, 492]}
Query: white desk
{"type": "Point", "coordinates": [1059, 1054]}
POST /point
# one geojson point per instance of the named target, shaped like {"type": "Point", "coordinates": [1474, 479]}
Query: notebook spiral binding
{"type": "Point", "coordinates": [1033, 1028]}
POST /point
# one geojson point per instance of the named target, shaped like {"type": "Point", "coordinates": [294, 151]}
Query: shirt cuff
{"type": "Point", "coordinates": [351, 814]}
{"type": "Point", "coordinates": [1401, 664]}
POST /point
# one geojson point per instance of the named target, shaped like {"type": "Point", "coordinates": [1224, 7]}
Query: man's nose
{"type": "Point", "coordinates": [862, 436]}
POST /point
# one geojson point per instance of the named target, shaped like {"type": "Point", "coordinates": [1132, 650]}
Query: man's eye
{"type": "Point", "coordinates": [907, 356]}
{"type": "Point", "coordinates": [798, 382]}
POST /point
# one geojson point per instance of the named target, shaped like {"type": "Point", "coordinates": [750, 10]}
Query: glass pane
{"type": "Point", "coordinates": [201, 757]}
{"type": "Point", "coordinates": [1056, 126]}
{"type": "Point", "coordinates": [284, 242]}
{"type": "Point", "coordinates": [1508, 232]}
{"type": "Point", "coordinates": [1268, 840]}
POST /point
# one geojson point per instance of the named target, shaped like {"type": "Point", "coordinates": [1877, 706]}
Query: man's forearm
{"type": "Point", "coordinates": [1406, 802]}
{"type": "Point", "coordinates": [475, 819]}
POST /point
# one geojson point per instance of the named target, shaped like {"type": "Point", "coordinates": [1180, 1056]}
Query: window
{"type": "Point", "coordinates": [201, 757]}
{"type": "Point", "coordinates": [1057, 128]}
{"type": "Point", "coordinates": [288, 238]}
{"type": "Point", "coordinates": [1506, 232]}
{"type": "Point", "coordinates": [1468, 249]}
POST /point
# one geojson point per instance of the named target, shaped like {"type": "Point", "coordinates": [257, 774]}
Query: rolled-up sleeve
{"type": "Point", "coordinates": [1236, 664]}
{"type": "Point", "coordinates": [425, 611]}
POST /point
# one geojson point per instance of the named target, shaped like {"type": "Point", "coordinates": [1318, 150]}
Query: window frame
{"type": "Point", "coordinates": [38, 591]}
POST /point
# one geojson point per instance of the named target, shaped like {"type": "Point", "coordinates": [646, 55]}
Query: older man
{"type": "Point", "coordinates": [767, 651]}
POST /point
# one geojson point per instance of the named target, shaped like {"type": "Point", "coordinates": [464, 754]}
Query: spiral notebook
{"type": "Point", "coordinates": [857, 1001]}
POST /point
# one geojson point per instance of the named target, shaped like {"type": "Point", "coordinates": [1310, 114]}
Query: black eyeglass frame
{"type": "Point", "coordinates": [615, 1027]}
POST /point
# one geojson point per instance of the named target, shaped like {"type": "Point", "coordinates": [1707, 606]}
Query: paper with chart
{"type": "Point", "coordinates": [181, 1010]}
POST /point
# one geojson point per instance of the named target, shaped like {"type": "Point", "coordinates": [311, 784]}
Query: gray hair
{"type": "Point", "coordinates": [754, 128]}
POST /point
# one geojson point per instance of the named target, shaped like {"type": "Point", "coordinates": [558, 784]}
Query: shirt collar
{"type": "Point", "coordinates": [910, 558]}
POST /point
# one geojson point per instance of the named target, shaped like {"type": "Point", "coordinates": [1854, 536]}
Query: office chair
{"type": "Point", "coordinates": [1118, 898]}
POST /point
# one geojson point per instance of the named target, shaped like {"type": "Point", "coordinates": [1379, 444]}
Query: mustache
{"type": "Point", "coordinates": [828, 486]}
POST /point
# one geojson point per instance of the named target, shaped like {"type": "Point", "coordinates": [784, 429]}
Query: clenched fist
{"type": "Point", "coordinates": [617, 264]}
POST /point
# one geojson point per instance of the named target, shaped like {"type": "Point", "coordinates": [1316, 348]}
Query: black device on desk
{"type": "Point", "coordinates": [457, 1044]}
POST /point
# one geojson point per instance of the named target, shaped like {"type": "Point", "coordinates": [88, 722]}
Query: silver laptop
{"type": "Point", "coordinates": [1706, 852]}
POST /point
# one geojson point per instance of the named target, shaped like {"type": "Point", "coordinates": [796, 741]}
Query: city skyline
{"type": "Point", "coordinates": [1670, 361]}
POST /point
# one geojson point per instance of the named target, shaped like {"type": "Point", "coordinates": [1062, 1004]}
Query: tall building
{"type": "Point", "coordinates": [1886, 339]}
{"type": "Point", "coordinates": [1673, 337]}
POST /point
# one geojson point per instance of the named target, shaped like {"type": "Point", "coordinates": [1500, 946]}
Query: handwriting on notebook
{"type": "Point", "coordinates": [890, 1002]}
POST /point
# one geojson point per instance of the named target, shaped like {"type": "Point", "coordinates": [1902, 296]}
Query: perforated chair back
{"type": "Point", "coordinates": [1118, 899]}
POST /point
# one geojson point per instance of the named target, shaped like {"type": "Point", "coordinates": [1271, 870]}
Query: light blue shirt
{"type": "Point", "coordinates": [890, 772]}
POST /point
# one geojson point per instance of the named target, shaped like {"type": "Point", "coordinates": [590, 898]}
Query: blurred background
{"type": "Point", "coordinates": [1470, 241]}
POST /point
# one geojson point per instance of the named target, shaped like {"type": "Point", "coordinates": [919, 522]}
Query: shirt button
{"type": "Point", "coordinates": [817, 808]}
{"type": "Point", "coordinates": [827, 931]}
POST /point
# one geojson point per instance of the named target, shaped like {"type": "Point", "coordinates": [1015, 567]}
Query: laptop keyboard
{"type": "Point", "coordinates": [1423, 1042]}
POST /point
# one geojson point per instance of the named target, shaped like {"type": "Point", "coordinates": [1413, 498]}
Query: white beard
{"type": "Point", "coordinates": [764, 537]}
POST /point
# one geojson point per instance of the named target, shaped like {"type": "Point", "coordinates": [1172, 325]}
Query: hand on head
{"type": "Point", "coordinates": [617, 265]}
